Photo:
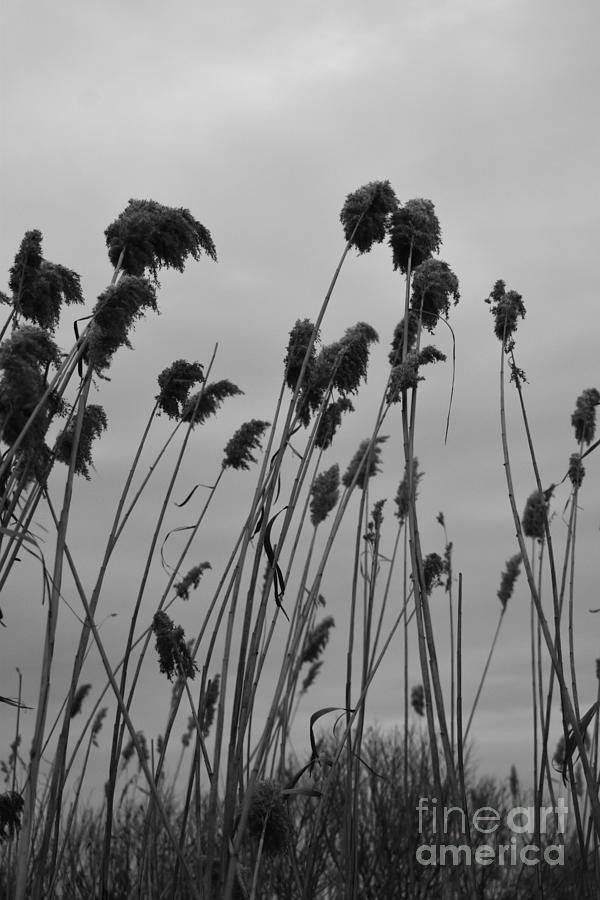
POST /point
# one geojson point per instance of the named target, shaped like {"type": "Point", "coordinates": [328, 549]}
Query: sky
{"type": "Point", "coordinates": [260, 118]}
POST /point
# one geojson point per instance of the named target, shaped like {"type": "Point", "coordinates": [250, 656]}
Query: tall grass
{"type": "Point", "coordinates": [243, 815]}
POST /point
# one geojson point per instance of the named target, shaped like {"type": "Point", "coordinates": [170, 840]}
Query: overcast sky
{"type": "Point", "coordinates": [260, 118]}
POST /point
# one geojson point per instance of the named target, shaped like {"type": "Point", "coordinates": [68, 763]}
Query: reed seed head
{"type": "Point", "coordinates": [403, 377]}
{"type": "Point", "coordinates": [25, 358]}
{"type": "Point", "coordinates": [173, 652]}
{"type": "Point", "coordinates": [175, 383]}
{"type": "Point", "coordinates": [324, 494]}
{"type": "Point", "coordinates": [40, 287]}
{"type": "Point", "coordinates": [311, 676]}
{"type": "Point", "coordinates": [316, 640]}
{"type": "Point", "coordinates": [576, 470]}
{"type": "Point", "coordinates": [583, 419]}
{"type": "Point", "coordinates": [115, 313]}
{"type": "Point", "coordinates": [434, 567]}
{"type": "Point", "coordinates": [397, 350]}
{"type": "Point", "coordinates": [78, 699]}
{"type": "Point", "coordinates": [206, 402]}
{"type": "Point", "coordinates": [365, 462]}
{"type": "Point", "coordinates": [210, 704]}
{"type": "Point", "coordinates": [238, 451]}
{"type": "Point", "coordinates": [97, 725]}
{"type": "Point", "coordinates": [154, 236]}
{"type": "Point", "coordinates": [300, 337]}
{"type": "Point", "coordinates": [508, 579]}
{"type": "Point", "coordinates": [534, 516]}
{"type": "Point", "coordinates": [506, 308]}
{"type": "Point", "coordinates": [414, 225]}
{"type": "Point", "coordinates": [365, 214]}
{"type": "Point", "coordinates": [191, 580]}
{"type": "Point", "coordinates": [353, 357]}
{"type": "Point", "coordinates": [404, 491]}
{"type": "Point", "coordinates": [93, 424]}
{"type": "Point", "coordinates": [430, 354]}
{"type": "Point", "coordinates": [129, 749]}
{"type": "Point", "coordinates": [268, 818]}
{"type": "Point", "coordinates": [417, 699]}
{"type": "Point", "coordinates": [330, 421]}
{"type": "Point", "coordinates": [434, 287]}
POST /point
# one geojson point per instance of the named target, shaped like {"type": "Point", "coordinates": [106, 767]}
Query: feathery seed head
{"type": "Point", "coordinates": [434, 286]}
{"type": "Point", "coordinates": [434, 567]}
{"type": "Point", "coordinates": [155, 237]}
{"type": "Point", "coordinates": [97, 724]}
{"type": "Point", "coordinates": [508, 578]}
{"type": "Point", "coordinates": [414, 225]}
{"type": "Point", "coordinates": [583, 419]}
{"type": "Point", "coordinates": [206, 402]}
{"type": "Point", "coordinates": [353, 357]}
{"type": "Point", "coordinates": [324, 494]}
{"type": "Point", "coordinates": [316, 641]}
{"type": "Point", "coordinates": [25, 358]}
{"type": "Point", "coordinates": [39, 287]}
{"type": "Point", "coordinates": [173, 652]}
{"type": "Point", "coordinates": [78, 699]}
{"type": "Point", "coordinates": [93, 424]}
{"type": "Point", "coordinates": [115, 313]}
{"type": "Point", "coordinates": [417, 699]}
{"type": "Point", "coordinates": [300, 337]}
{"type": "Point", "coordinates": [403, 493]}
{"type": "Point", "coordinates": [311, 676]}
{"type": "Point", "coordinates": [397, 350]}
{"type": "Point", "coordinates": [576, 470]}
{"type": "Point", "coordinates": [238, 451]}
{"type": "Point", "coordinates": [365, 462]}
{"type": "Point", "coordinates": [175, 383]}
{"type": "Point", "coordinates": [507, 308]}
{"type": "Point", "coordinates": [210, 704]}
{"type": "Point", "coordinates": [534, 516]}
{"type": "Point", "coordinates": [431, 354]}
{"type": "Point", "coordinates": [129, 749]}
{"type": "Point", "coordinates": [330, 421]}
{"type": "Point", "coordinates": [403, 377]}
{"type": "Point", "coordinates": [191, 580]}
{"type": "Point", "coordinates": [365, 214]}
{"type": "Point", "coordinates": [268, 818]}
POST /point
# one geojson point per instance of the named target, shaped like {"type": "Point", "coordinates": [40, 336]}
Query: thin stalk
{"type": "Point", "coordinates": [417, 581]}
{"type": "Point", "coordinates": [570, 718]}
{"type": "Point", "coordinates": [58, 773]}
{"type": "Point", "coordinates": [460, 739]}
{"type": "Point", "coordinates": [44, 693]}
{"type": "Point", "coordinates": [233, 761]}
{"type": "Point", "coordinates": [329, 784]}
{"type": "Point", "coordinates": [485, 671]}
{"type": "Point", "coordinates": [118, 729]}
{"type": "Point", "coordinates": [350, 824]}
{"type": "Point", "coordinates": [572, 597]}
